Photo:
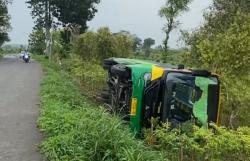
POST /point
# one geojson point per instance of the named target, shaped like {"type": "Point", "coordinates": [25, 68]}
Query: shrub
{"type": "Point", "coordinates": [193, 143]}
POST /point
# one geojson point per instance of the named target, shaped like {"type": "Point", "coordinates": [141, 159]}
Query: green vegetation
{"type": "Point", "coordinates": [174, 55]}
{"type": "Point", "coordinates": [193, 143]}
{"type": "Point", "coordinates": [89, 75]}
{"type": "Point", "coordinates": [11, 49]}
{"type": "Point", "coordinates": [1, 52]}
{"type": "Point", "coordinates": [37, 41]}
{"type": "Point", "coordinates": [103, 44]}
{"type": "Point", "coordinates": [70, 13]}
{"type": "Point", "coordinates": [5, 28]}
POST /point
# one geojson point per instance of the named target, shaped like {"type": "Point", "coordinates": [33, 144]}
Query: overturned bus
{"type": "Point", "coordinates": [140, 90]}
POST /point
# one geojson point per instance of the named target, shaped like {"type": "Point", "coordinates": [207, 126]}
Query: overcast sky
{"type": "Point", "coordinates": [140, 17]}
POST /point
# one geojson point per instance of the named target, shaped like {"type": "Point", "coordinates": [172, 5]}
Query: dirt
{"type": "Point", "coordinates": [19, 109]}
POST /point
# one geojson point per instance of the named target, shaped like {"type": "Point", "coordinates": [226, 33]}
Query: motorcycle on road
{"type": "Point", "coordinates": [26, 58]}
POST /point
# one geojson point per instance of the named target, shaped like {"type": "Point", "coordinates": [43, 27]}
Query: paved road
{"type": "Point", "coordinates": [19, 90]}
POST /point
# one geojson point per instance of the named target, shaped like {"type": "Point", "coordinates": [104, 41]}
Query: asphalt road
{"type": "Point", "coordinates": [19, 108]}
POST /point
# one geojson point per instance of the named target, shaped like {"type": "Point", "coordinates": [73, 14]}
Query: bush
{"type": "Point", "coordinates": [193, 143]}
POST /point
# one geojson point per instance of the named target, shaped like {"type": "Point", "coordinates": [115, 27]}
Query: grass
{"type": "Point", "coordinates": [77, 130]}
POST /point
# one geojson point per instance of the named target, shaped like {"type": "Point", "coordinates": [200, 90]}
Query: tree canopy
{"type": "Point", "coordinates": [66, 12]}
{"type": "Point", "coordinates": [4, 21]}
{"type": "Point", "coordinates": [137, 43]}
{"type": "Point", "coordinates": [148, 43]}
{"type": "Point", "coordinates": [37, 41]}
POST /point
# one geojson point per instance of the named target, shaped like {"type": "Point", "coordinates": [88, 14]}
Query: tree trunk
{"type": "Point", "coordinates": [74, 33]}
{"type": "Point", "coordinates": [47, 28]}
{"type": "Point", "coordinates": [167, 32]}
{"type": "Point", "coordinates": [166, 40]}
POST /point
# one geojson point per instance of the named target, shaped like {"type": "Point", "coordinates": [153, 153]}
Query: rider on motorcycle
{"type": "Point", "coordinates": [26, 56]}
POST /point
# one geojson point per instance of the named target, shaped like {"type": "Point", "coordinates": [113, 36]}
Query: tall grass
{"type": "Point", "coordinates": [77, 130]}
{"type": "Point", "coordinates": [89, 75]}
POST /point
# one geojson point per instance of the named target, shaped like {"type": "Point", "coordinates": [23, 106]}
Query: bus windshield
{"type": "Point", "coordinates": [188, 96]}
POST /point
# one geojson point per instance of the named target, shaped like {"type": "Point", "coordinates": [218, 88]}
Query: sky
{"type": "Point", "coordinates": [21, 22]}
{"type": "Point", "coordinates": [140, 17]}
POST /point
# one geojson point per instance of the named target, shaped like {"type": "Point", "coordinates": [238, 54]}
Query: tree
{"type": "Point", "coordinates": [147, 44]}
{"type": "Point", "coordinates": [170, 12]}
{"type": "Point", "coordinates": [37, 41]}
{"type": "Point", "coordinates": [137, 43]}
{"type": "Point", "coordinates": [74, 12]}
{"type": "Point", "coordinates": [41, 10]}
{"type": "Point", "coordinates": [86, 46]}
{"type": "Point", "coordinates": [103, 44]}
{"type": "Point", "coordinates": [4, 21]}
{"type": "Point", "coordinates": [68, 13]}
{"type": "Point", "coordinates": [123, 44]}
{"type": "Point", "coordinates": [223, 15]}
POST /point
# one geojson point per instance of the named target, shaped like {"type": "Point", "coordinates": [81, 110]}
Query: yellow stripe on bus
{"type": "Point", "coordinates": [133, 106]}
